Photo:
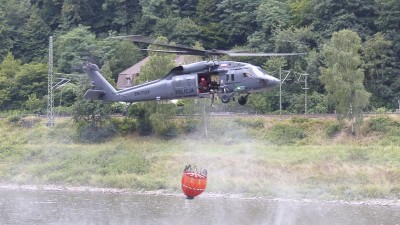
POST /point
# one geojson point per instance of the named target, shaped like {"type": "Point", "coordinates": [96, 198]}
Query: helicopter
{"type": "Point", "coordinates": [204, 79]}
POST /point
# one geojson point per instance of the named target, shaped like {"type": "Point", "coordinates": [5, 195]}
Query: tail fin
{"type": "Point", "coordinates": [101, 88]}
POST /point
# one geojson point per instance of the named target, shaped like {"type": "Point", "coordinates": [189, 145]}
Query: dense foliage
{"type": "Point", "coordinates": [81, 30]}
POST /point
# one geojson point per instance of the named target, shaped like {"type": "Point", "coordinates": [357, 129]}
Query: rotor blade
{"type": "Point", "coordinates": [261, 54]}
{"type": "Point", "coordinates": [183, 49]}
{"type": "Point", "coordinates": [191, 51]}
{"type": "Point", "coordinates": [174, 51]}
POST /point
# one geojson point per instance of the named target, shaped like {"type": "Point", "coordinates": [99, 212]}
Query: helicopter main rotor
{"type": "Point", "coordinates": [182, 50]}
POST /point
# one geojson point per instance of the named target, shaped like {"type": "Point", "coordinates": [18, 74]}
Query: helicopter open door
{"type": "Point", "coordinates": [208, 82]}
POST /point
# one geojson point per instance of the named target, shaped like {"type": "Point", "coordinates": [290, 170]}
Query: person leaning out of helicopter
{"type": "Point", "coordinates": [203, 85]}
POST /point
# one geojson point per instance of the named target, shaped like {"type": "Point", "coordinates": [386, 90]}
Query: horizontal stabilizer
{"type": "Point", "coordinates": [93, 94]}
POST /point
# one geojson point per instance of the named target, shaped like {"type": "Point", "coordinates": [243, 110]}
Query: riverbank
{"type": "Point", "coordinates": [288, 159]}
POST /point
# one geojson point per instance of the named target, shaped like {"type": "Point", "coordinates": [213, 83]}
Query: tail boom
{"type": "Point", "coordinates": [101, 88]}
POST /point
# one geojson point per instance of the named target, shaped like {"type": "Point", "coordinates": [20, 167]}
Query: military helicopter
{"type": "Point", "coordinates": [204, 79]}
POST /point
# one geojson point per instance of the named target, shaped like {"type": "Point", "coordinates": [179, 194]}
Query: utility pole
{"type": "Point", "coordinates": [280, 90]}
{"type": "Point", "coordinates": [280, 87]}
{"type": "Point", "coordinates": [305, 94]}
{"type": "Point", "coordinates": [50, 98]}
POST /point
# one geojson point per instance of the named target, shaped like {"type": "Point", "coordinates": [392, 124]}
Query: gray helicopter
{"type": "Point", "coordinates": [205, 79]}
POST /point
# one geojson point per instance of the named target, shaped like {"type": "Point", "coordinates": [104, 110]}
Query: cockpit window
{"type": "Point", "coordinates": [246, 73]}
{"type": "Point", "coordinates": [258, 71]}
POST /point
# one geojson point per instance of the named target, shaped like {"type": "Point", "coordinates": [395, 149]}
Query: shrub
{"type": "Point", "coordinates": [89, 133]}
{"type": "Point", "coordinates": [380, 123]}
{"type": "Point", "coordinates": [63, 111]}
{"type": "Point", "coordinates": [144, 127]}
{"type": "Point", "coordinates": [251, 123]}
{"type": "Point", "coordinates": [164, 127]}
{"type": "Point", "coordinates": [190, 126]}
{"type": "Point", "coordinates": [125, 125]}
{"type": "Point", "coordinates": [13, 119]}
{"type": "Point", "coordinates": [332, 129]}
{"type": "Point", "coordinates": [29, 122]}
{"type": "Point", "coordinates": [298, 119]}
{"type": "Point", "coordinates": [286, 134]}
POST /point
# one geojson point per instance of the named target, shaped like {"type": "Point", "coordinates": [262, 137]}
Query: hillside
{"type": "Point", "coordinates": [290, 157]}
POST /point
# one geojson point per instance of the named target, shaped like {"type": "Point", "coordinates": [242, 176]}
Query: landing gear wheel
{"type": "Point", "coordinates": [225, 98]}
{"type": "Point", "coordinates": [242, 100]}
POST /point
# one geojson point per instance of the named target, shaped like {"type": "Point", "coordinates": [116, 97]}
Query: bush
{"type": "Point", "coordinates": [89, 133]}
{"type": "Point", "coordinates": [332, 129]}
{"type": "Point", "coordinates": [144, 127]}
{"type": "Point", "coordinates": [13, 119]}
{"type": "Point", "coordinates": [168, 131]}
{"type": "Point", "coordinates": [285, 134]}
{"type": "Point", "coordinates": [63, 111]}
{"type": "Point", "coordinates": [125, 125]}
{"type": "Point", "coordinates": [298, 119]}
{"type": "Point", "coordinates": [380, 123]}
{"type": "Point", "coordinates": [29, 122]}
{"type": "Point", "coordinates": [190, 126]}
{"type": "Point", "coordinates": [164, 127]}
{"type": "Point", "coordinates": [251, 123]}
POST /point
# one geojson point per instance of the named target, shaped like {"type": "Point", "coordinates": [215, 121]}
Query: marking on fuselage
{"type": "Point", "coordinates": [144, 92]}
{"type": "Point", "coordinates": [184, 91]}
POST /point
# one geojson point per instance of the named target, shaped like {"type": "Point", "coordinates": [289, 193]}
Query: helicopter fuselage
{"type": "Point", "coordinates": [221, 78]}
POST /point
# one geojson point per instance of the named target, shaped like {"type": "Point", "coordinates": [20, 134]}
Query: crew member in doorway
{"type": "Point", "coordinates": [203, 85]}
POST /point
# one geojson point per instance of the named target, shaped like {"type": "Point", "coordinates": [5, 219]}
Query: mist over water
{"type": "Point", "coordinates": [237, 173]}
{"type": "Point", "coordinates": [87, 207]}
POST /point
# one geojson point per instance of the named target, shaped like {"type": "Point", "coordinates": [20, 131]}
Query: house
{"type": "Point", "coordinates": [127, 77]}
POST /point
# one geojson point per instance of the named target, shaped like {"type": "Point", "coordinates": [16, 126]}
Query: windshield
{"type": "Point", "coordinates": [258, 71]}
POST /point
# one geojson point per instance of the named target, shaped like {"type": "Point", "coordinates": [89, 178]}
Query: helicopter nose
{"type": "Point", "coordinates": [272, 81]}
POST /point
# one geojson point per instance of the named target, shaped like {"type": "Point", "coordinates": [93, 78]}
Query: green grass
{"type": "Point", "coordinates": [242, 157]}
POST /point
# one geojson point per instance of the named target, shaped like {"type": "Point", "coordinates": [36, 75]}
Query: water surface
{"type": "Point", "coordinates": [86, 207]}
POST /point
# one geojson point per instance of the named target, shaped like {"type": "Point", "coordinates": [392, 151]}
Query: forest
{"type": "Point", "coordinates": [352, 46]}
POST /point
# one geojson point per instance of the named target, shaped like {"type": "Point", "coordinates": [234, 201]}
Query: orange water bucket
{"type": "Point", "coordinates": [193, 181]}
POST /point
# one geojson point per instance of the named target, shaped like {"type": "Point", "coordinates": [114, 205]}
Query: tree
{"type": "Point", "coordinates": [330, 16]}
{"type": "Point", "coordinates": [183, 8]}
{"type": "Point", "coordinates": [13, 17]}
{"type": "Point", "coordinates": [300, 10]}
{"type": "Point", "coordinates": [34, 104]}
{"type": "Point", "coordinates": [119, 54]}
{"type": "Point", "coordinates": [158, 65]}
{"type": "Point", "coordinates": [121, 15]}
{"type": "Point", "coordinates": [272, 15]}
{"type": "Point", "coordinates": [35, 38]}
{"type": "Point", "coordinates": [50, 11]}
{"type": "Point", "coordinates": [343, 76]}
{"type": "Point", "coordinates": [388, 22]}
{"type": "Point", "coordinates": [186, 32]}
{"type": "Point", "coordinates": [237, 20]}
{"type": "Point", "coordinates": [30, 79]}
{"type": "Point", "coordinates": [91, 113]}
{"type": "Point", "coordinates": [8, 70]}
{"type": "Point", "coordinates": [388, 15]}
{"type": "Point", "coordinates": [85, 12]}
{"type": "Point", "coordinates": [74, 48]}
{"type": "Point", "coordinates": [381, 79]}
{"type": "Point", "coordinates": [151, 114]}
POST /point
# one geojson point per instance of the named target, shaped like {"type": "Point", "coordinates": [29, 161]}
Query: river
{"type": "Point", "coordinates": [84, 206]}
